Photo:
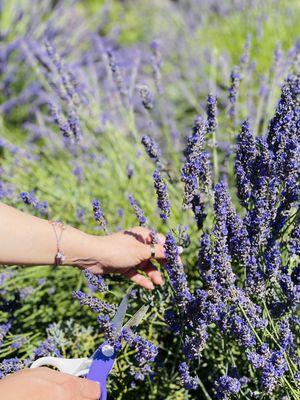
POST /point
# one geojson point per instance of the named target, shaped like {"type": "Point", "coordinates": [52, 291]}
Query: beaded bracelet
{"type": "Point", "coordinates": [59, 257]}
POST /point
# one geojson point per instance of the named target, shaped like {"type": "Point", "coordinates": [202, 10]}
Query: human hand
{"type": "Point", "coordinates": [128, 253]}
{"type": "Point", "coordinates": [47, 384]}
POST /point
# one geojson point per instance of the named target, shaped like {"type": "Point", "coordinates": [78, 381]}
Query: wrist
{"type": "Point", "coordinates": [81, 249]}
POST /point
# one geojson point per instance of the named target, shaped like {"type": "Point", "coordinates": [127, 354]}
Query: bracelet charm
{"type": "Point", "coordinates": [59, 256]}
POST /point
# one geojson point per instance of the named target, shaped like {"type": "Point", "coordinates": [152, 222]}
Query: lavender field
{"type": "Point", "coordinates": [182, 116]}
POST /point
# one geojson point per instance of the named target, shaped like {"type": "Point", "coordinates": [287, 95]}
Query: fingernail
{"type": "Point", "coordinates": [180, 249]}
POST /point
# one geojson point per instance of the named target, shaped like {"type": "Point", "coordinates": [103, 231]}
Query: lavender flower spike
{"type": "Point", "coordinates": [176, 271]}
{"type": "Point", "coordinates": [4, 329]}
{"type": "Point", "coordinates": [151, 147]}
{"type": "Point", "coordinates": [188, 381]}
{"type": "Point", "coordinates": [211, 110]}
{"type": "Point", "coordinates": [146, 96]}
{"type": "Point", "coordinates": [235, 78]}
{"type": "Point", "coordinates": [227, 386]}
{"type": "Point", "coordinates": [97, 281]}
{"type": "Point", "coordinates": [162, 196]}
{"type": "Point", "coordinates": [98, 214]}
{"type": "Point", "coordinates": [138, 211]}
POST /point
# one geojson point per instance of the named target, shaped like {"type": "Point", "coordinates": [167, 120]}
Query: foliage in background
{"type": "Point", "coordinates": [85, 95]}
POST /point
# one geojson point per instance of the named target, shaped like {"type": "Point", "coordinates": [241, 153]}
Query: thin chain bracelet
{"type": "Point", "coordinates": [59, 256]}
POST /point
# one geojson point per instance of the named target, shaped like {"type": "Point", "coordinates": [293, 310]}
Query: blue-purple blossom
{"type": "Point", "coordinates": [196, 173]}
{"type": "Point", "coordinates": [10, 365]}
{"type": "Point", "coordinates": [78, 172]}
{"type": "Point", "coordinates": [29, 198]}
{"type": "Point", "coordinates": [47, 348]}
{"type": "Point", "coordinates": [233, 90]}
{"type": "Point", "coordinates": [162, 196]}
{"type": "Point", "coordinates": [204, 255]}
{"type": "Point", "coordinates": [4, 329]}
{"type": "Point", "coordinates": [116, 73]}
{"type": "Point", "coordinates": [98, 214]}
{"type": "Point", "coordinates": [151, 147]}
{"type": "Point", "coordinates": [195, 341]}
{"type": "Point", "coordinates": [226, 386]}
{"type": "Point", "coordinates": [138, 211]}
{"type": "Point", "coordinates": [175, 270]}
{"type": "Point", "coordinates": [97, 281]}
{"type": "Point", "coordinates": [294, 243]}
{"type": "Point", "coordinates": [156, 64]}
{"type": "Point", "coordinates": [246, 153]}
{"type": "Point", "coordinates": [60, 120]}
{"type": "Point", "coordinates": [272, 364]}
{"type": "Point", "coordinates": [94, 303]}
{"type": "Point", "coordinates": [211, 111]}
{"type": "Point", "coordinates": [146, 96]}
{"type": "Point", "coordinates": [189, 382]}
{"type": "Point", "coordinates": [286, 337]}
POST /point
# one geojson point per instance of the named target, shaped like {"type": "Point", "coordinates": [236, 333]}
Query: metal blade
{"type": "Point", "coordinates": [137, 318]}
{"type": "Point", "coordinates": [117, 320]}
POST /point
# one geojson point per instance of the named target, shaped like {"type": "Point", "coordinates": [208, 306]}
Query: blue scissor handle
{"type": "Point", "coordinates": [103, 361]}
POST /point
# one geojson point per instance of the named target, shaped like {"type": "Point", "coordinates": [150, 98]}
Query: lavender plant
{"type": "Point", "coordinates": [80, 116]}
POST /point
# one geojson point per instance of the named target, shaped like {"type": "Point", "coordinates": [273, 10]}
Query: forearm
{"type": "Point", "coordinates": [28, 240]}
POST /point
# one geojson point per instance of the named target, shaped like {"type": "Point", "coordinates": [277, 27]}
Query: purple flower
{"type": "Point", "coordinates": [146, 96]}
{"type": "Point", "coordinates": [4, 329]}
{"type": "Point", "coordinates": [116, 73]}
{"type": "Point", "coordinates": [162, 196]}
{"type": "Point", "coordinates": [227, 386]}
{"type": "Point", "coordinates": [138, 211]}
{"type": "Point", "coordinates": [99, 215]}
{"type": "Point", "coordinates": [60, 120]}
{"type": "Point", "coordinates": [239, 329]}
{"type": "Point", "coordinates": [146, 351]}
{"type": "Point", "coordinates": [189, 382]}
{"type": "Point", "coordinates": [211, 110]}
{"type": "Point", "coordinates": [221, 257]}
{"type": "Point", "coordinates": [176, 271]}
{"type": "Point", "coordinates": [195, 172]}
{"type": "Point", "coordinates": [156, 66]}
{"type": "Point", "coordinates": [235, 78]}
{"type": "Point", "coordinates": [273, 259]}
{"type": "Point", "coordinates": [245, 158]}
{"type": "Point", "coordinates": [286, 337]}
{"type": "Point", "coordinates": [194, 342]}
{"type": "Point", "coordinates": [10, 365]}
{"type": "Point", "coordinates": [204, 255]}
{"type": "Point", "coordinates": [94, 303]}
{"type": "Point", "coordinates": [245, 57]}
{"type": "Point", "coordinates": [130, 171]}
{"type": "Point", "coordinates": [96, 281]}
{"type": "Point", "coordinates": [78, 173]}
{"type": "Point", "coordinates": [80, 215]}
{"type": "Point", "coordinates": [29, 198]}
{"type": "Point", "coordinates": [272, 364]}
{"type": "Point", "coordinates": [151, 147]}
{"type": "Point", "coordinates": [47, 348]}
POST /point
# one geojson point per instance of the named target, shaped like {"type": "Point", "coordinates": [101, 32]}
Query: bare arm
{"type": "Point", "coordinates": [28, 240]}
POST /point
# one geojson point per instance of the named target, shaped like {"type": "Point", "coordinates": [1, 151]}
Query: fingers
{"type": "Point", "coordinates": [153, 273]}
{"type": "Point", "coordinates": [141, 280]}
{"type": "Point", "coordinates": [84, 389]}
{"type": "Point", "coordinates": [88, 389]}
{"type": "Point", "coordinates": [159, 251]}
{"type": "Point", "coordinates": [147, 234]}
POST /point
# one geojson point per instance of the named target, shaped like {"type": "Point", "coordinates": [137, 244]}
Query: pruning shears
{"type": "Point", "coordinates": [98, 367]}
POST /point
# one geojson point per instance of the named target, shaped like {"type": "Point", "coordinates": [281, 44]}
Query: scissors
{"type": "Point", "coordinates": [98, 367]}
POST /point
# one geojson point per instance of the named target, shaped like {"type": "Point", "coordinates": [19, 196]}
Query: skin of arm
{"type": "Point", "coordinates": [28, 240]}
